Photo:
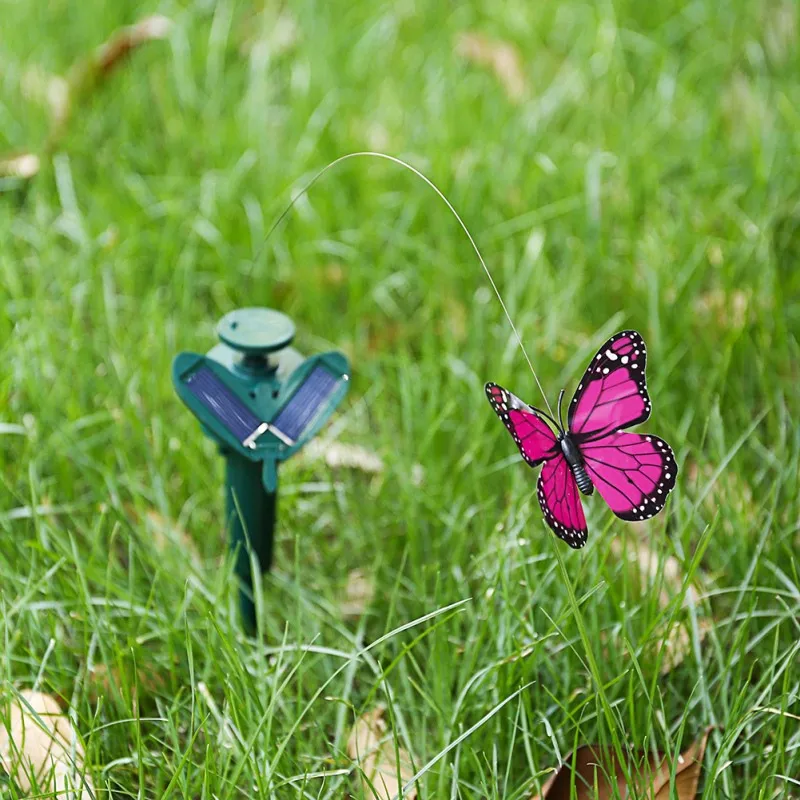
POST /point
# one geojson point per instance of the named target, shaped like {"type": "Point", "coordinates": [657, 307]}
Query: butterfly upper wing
{"type": "Point", "coordinates": [535, 439]}
{"type": "Point", "coordinates": [633, 472]}
{"type": "Point", "coordinates": [561, 502]}
{"type": "Point", "coordinates": [613, 392]}
{"type": "Point", "coordinates": [557, 491]}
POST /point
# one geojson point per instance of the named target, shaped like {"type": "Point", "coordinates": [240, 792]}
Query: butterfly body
{"type": "Point", "coordinates": [572, 455]}
{"type": "Point", "coordinates": [632, 472]}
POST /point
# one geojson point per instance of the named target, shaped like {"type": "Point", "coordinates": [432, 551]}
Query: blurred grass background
{"type": "Point", "coordinates": [620, 164]}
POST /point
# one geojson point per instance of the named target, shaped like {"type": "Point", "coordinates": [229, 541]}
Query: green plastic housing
{"type": "Point", "coordinates": [264, 379]}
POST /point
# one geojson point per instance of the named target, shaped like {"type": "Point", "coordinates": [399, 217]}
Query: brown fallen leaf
{"type": "Point", "coordinates": [349, 456]}
{"type": "Point", "coordinates": [728, 310]}
{"type": "Point", "coordinates": [332, 275]}
{"type": "Point", "coordinates": [725, 490]}
{"type": "Point", "coordinates": [455, 320]}
{"type": "Point", "coordinates": [386, 335]}
{"type": "Point", "coordinates": [598, 772]}
{"type": "Point", "coordinates": [273, 37]}
{"type": "Point", "coordinates": [165, 533]}
{"type": "Point", "coordinates": [500, 57]}
{"type": "Point", "coordinates": [651, 567]}
{"type": "Point", "coordinates": [87, 74]}
{"type": "Point", "coordinates": [714, 254]}
{"type": "Point", "coordinates": [677, 644]}
{"type": "Point", "coordinates": [671, 644]}
{"type": "Point", "coordinates": [384, 769]}
{"type": "Point", "coordinates": [780, 30]}
{"type": "Point", "coordinates": [40, 750]}
{"type": "Point", "coordinates": [687, 772]}
{"type": "Point", "coordinates": [23, 165]}
{"type": "Point", "coordinates": [358, 593]}
{"type": "Point", "coordinates": [51, 91]}
{"type": "Point", "coordinates": [746, 109]}
{"type": "Point", "coordinates": [103, 681]}
{"type": "Point", "coordinates": [128, 38]}
{"type": "Point", "coordinates": [65, 95]}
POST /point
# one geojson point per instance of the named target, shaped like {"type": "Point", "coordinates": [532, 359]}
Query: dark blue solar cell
{"type": "Point", "coordinates": [304, 404]}
{"type": "Point", "coordinates": [223, 403]}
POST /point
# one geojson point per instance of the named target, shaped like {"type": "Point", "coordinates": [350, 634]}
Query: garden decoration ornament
{"type": "Point", "coordinates": [260, 401]}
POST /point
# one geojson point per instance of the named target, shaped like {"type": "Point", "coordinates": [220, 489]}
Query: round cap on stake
{"type": "Point", "coordinates": [256, 331]}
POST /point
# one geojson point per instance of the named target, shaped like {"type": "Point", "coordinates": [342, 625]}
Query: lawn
{"type": "Point", "coordinates": [620, 164]}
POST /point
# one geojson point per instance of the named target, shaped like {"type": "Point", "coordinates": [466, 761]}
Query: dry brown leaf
{"type": "Point", "coordinates": [23, 165]}
{"type": "Point", "coordinates": [714, 254]}
{"type": "Point", "coordinates": [167, 532]}
{"type": "Point", "coordinates": [39, 748]}
{"type": "Point", "coordinates": [86, 74]}
{"type": "Point", "coordinates": [350, 456]}
{"type": "Point", "coordinates": [386, 335]}
{"type": "Point", "coordinates": [126, 39]}
{"type": "Point", "coordinates": [385, 769]}
{"type": "Point", "coordinates": [64, 95]}
{"type": "Point", "coordinates": [280, 37]}
{"type": "Point", "coordinates": [598, 772]}
{"type": "Point", "coordinates": [455, 321]}
{"type": "Point", "coordinates": [727, 310]}
{"type": "Point", "coordinates": [673, 645]}
{"type": "Point", "coordinates": [687, 772]}
{"type": "Point", "coordinates": [332, 275]}
{"type": "Point", "coordinates": [746, 108]}
{"type": "Point", "coordinates": [283, 34]}
{"type": "Point", "coordinates": [358, 593]}
{"type": "Point", "coordinates": [377, 136]}
{"type": "Point", "coordinates": [103, 681]}
{"type": "Point", "coordinates": [678, 644]}
{"type": "Point", "coordinates": [650, 566]}
{"type": "Point", "coordinates": [780, 30]}
{"type": "Point", "coordinates": [500, 57]}
{"type": "Point", "coordinates": [728, 490]}
{"type": "Point", "coordinates": [49, 90]}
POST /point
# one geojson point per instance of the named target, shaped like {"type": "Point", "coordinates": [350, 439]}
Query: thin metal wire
{"type": "Point", "coordinates": [400, 162]}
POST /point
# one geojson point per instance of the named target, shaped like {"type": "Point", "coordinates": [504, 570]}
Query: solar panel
{"type": "Point", "coordinates": [223, 404]}
{"type": "Point", "coordinates": [305, 403]}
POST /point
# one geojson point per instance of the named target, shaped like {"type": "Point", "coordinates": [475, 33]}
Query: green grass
{"type": "Point", "coordinates": [649, 178]}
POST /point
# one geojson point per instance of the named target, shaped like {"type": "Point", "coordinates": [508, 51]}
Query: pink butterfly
{"type": "Point", "coordinates": [633, 472]}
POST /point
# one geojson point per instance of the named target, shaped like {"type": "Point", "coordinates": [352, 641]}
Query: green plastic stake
{"type": "Point", "coordinates": [260, 401]}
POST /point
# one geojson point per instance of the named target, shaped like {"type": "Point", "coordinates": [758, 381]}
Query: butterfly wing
{"type": "Point", "coordinates": [561, 501]}
{"type": "Point", "coordinates": [633, 472]}
{"type": "Point", "coordinates": [535, 439]}
{"type": "Point", "coordinates": [613, 392]}
{"type": "Point", "coordinates": [557, 491]}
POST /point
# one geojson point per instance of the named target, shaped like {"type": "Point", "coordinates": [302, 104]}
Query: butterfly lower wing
{"type": "Point", "coordinates": [633, 472]}
{"type": "Point", "coordinates": [561, 502]}
{"type": "Point", "coordinates": [557, 490]}
{"type": "Point", "coordinates": [535, 439]}
{"type": "Point", "coordinates": [613, 392]}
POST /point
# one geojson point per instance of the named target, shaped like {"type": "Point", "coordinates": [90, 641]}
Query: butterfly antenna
{"type": "Point", "coordinates": [400, 162]}
{"type": "Point", "coordinates": [542, 414]}
{"type": "Point", "coordinates": [560, 417]}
